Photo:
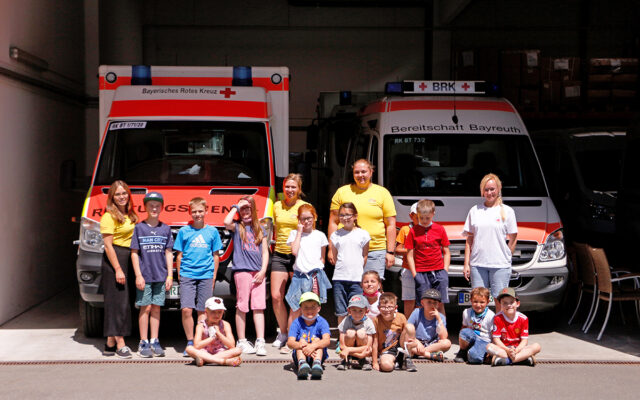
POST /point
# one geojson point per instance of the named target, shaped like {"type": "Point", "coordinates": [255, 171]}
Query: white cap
{"type": "Point", "coordinates": [414, 208]}
{"type": "Point", "coordinates": [214, 303]}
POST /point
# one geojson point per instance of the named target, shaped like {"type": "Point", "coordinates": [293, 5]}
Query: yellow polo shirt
{"type": "Point", "coordinates": [122, 233]}
{"type": "Point", "coordinates": [285, 219]}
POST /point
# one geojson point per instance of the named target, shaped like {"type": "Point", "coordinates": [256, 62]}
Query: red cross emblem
{"type": "Point", "coordinates": [227, 92]}
{"type": "Point", "coordinates": [422, 86]}
{"type": "Point", "coordinates": [466, 86]}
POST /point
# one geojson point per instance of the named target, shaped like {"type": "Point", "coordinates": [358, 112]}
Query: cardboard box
{"type": "Point", "coordinates": [560, 69]}
{"type": "Point", "coordinates": [550, 94]}
{"type": "Point", "coordinates": [613, 65]}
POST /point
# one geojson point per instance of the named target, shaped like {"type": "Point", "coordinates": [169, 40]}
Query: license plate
{"type": "Point", "coordinates": [174, 292]}
{"type": "Point", "coordinates": [464, 298]}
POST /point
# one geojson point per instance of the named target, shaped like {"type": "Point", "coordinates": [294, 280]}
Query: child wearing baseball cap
{"type": "Point", "coordinates": [356, 334]}
{"type": "Point", "coordinates": [427, 334]}
{"type": "Point", "coordinates": [511, 333]}
{"type": "Point", "coordinates": [213, 342]}
{"type": "Point", "coordinates": [309, 337]}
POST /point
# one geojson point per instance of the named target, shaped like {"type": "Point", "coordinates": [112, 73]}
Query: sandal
{"type": "Point", "coordinates": [437, 356]}
{"type": "Point", "coordinates": [233, 362]}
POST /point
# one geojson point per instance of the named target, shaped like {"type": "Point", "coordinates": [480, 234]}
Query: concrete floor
{"type": "Point", "coordinates": [51, 331]}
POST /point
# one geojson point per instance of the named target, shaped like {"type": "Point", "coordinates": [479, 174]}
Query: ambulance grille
{"type": "Point", "coordinates": [525, 251]}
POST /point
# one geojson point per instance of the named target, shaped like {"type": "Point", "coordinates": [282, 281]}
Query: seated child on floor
{"type": "Point", "coordinates": [389, 340]}
{"type": "Point", "coordinates": [477, 325]}
{"type": "Point", "coordinates": [427, 334]}
{"type": "Point", "coordinates": [356, 334]}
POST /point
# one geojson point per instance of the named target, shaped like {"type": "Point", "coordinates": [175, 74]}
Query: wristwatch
{"type": "Point", "coordinates": [391, 252]}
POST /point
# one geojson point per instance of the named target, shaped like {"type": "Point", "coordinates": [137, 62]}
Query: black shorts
{"type": "Point", "coordinates": [393, 351]}
{"type": "Point", "coordinates": [281, 262]}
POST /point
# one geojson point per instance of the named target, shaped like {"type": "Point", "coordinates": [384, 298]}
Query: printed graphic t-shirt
{"type": "Point", "coordinates": [300, 330]}
{"type": "Point", "coordinates": [247, 256]}
{"type": "Point", "coordinates": [197, 247]}
{"type": "Point", "coordinates": [152, 242]}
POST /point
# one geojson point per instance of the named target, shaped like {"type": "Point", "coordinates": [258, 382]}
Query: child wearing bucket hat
{"type": "Point", "coordinates": [213, 341]}
{"type": "Point", "coordinates": [356, 335]}
{"type": "Point", "coordinates": [309, 337]}
{"type": "Point", "coordinates": [511, 333]}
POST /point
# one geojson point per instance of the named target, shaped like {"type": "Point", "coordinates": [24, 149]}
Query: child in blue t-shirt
{"type": "Point", "coordinates": [427, 334]}
{"type": "Point", "coordinates": [309, 337]}
{"type": "Point", "coordinates": [197, 261]}
{"type": "Point", "coordinates": [152, 262]}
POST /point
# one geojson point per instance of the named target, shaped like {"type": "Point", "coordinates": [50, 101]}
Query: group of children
{"type": "Point", "coordinates": [373, 334]}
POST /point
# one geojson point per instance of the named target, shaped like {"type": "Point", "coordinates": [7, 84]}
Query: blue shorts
{"type": "Point", "coordinates": [408, 285]}
{"type": "Point", "coordinates": [477, 346]}
{"type": "Point", "coordinates": [438, 279]}
{"type": "Point", "coordinates": [342, 292]}
{"type": "Point", "coordinates": [195, 292]}
{"type": "Point", "coordinates": [377, 261]}
{"type": "Point", "coordinates": [153, 293]}
{"type": "Point", "coordinates": [494, 279]}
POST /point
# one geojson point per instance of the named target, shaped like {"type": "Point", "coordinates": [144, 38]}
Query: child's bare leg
{"type": "Point", "coordinates": [463, 343]}
{"type": "Point", "coordinates": [143, 322]}
{"type": "Point", "coordinates": [226, 357]}
{"type": "Point", "coordinates": [241, 324]}
{"type": "Point", "coordinates": [387, 362]}
{"type": "Point", "coordinates": [341, 318]}
{"type": "Point", "coordinates": [154, 321]}
{"type": "Point", "coordinates": [187, 322]}
{"type": "Point", "coordinates": [299, 354]}
{"type": "Point", "coordinates": [442, 345]}
{"type": "Point", "coordinates": [361, 340]}
{"type": "Point", "coordinates": [412, 344]}
{"type": "Point", "coordinates": [496, 351]}
{"type": "Point", "coordinates": [409, 306]}
{"type": "Point", "coordinates": [528, 351]}
{"type": "Point", "coordinates": [292, 315]}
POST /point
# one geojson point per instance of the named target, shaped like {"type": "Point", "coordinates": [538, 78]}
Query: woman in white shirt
{"type": "Point", "coordinates": [491, 232]}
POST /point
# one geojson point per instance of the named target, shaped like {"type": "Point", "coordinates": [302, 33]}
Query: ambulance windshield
{"type": "Point", "coordinates": [185, 153]}
{"type": "Point", "coordinates": [453, 165]}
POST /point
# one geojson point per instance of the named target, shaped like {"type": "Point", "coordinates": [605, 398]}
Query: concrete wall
{"type": "Point", "coordinates": [41, 124]}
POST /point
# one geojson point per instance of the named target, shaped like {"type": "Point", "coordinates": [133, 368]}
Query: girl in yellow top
{"type": "Point", "coordinates": [285, 214]}
{"type": "Point", "coordinates": [376, 215]}
{"type": "Point", "coordinates": [116, 227]}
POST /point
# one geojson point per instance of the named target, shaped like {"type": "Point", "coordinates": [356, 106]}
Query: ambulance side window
{"type": "Point", "coordinates": [358, 148]}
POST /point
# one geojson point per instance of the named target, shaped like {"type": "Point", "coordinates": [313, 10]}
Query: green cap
{"type": "Point", "coordinates": [508, 291]}
{"type": "Point", "coordinates": [309, 296]}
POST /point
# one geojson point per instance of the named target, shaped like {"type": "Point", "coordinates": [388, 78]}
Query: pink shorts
{"type": "Point", "coordinates": [245, 289]}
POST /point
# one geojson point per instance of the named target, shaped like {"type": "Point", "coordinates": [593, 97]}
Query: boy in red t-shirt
{"type": "Point", "coordinates": [428, 254]}
{"type": "Point", "coordinates": [511, 333]}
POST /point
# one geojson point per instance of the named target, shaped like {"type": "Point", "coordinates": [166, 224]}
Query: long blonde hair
{"type": "Point", "coordinates": [255, 223]}
{"type": "Point", "coordinates": [483, 183]}
{"type": "Point", "coordinates": [297, 178]}
{"type": "Point", "coordinates": [128, 208]}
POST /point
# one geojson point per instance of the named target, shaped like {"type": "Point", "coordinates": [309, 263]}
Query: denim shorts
{"type": "Point", "coordinates": [195, 292]}
{"type": "Point", "coordinates": [376, 261]}
{"type": "Point", "coordinates": [342, 292]}
{"type": "Point", "coordinates": [408, 285]}
{"type": "Point", "coordinates": [153, 293]}
{"type": "Point", "coordinates": [494, 279]}
{"type": "Point", "coordinates": [438, 280]}
{"type": "Point", "coordinates": [477, 346]}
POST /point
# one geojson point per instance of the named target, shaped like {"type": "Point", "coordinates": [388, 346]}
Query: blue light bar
{"type": "Point", "coordinates": [140, 75]}
{"type": "Point", "coordinates": [345, 98]}
{"type": "Point", "coordinates": [242, 76]}
{"type": "Point", "coordinates": [393, 88]}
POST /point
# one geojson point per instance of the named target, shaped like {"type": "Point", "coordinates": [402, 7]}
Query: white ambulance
{"type": "Point", "coordinates": [212, 132]}
{"type": "Point", "coordinates": [436, 140]}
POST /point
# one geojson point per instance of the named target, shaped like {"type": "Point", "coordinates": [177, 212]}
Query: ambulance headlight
{"type": "Point", "coordinates": [553, 249]}
{"type": "Point", "coordinates": [90, 236]}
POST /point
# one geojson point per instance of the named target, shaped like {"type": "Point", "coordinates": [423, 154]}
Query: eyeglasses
{"type": "Point", "coordinates": [345, 216]}
{"type": "Point", "coordinates": [306, 219]}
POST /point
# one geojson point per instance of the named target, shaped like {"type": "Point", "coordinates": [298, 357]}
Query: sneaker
{"type": "Point", "coordinates": [184, 353]}
{"type": "Point", "coordinates": [338, 347]}
{"type": "Point", "coordinates": [109, 350]}
{"type": "Point", "coordinates": [259, 349]}
{"type": "Point", "coordinates": [437, 356]}
{"type": "Point", "coordinates": [285, 350]}
{"type": "Point", "coordinates": [316, 371]}
{"type": "Point", "coordinates": [409, 366]}
{"type": "Point", "coordinates": [498, 362]}
{"type": "Point", "coordinates": [365, 364]}
{"type": "Point", "coordinates": [157, 350]}
{"type": "Point", "coordinates": [303, 370]}
{"type": "Point", "coordinates": [461, 356]}
{"type": "Point", "coordinates": [246, 346]}
{"type": "Point", "coordinates": [124, 352]}
{"type": "Point", "coordinates": [342, 366]}
{"type": "Point", "coordinates": [281, 340]}
{"type": "Point", "coordinates": [531, 361]}
{"type": "Point", "coordinates": [144, 349]}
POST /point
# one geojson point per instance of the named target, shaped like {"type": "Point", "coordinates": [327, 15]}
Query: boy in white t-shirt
{"type": "Point", "coordinates": [477, 325]}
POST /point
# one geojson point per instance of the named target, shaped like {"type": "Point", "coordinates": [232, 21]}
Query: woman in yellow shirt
{"type": "Point", "coordinates": [116, 227]}
{"type": "Point", "coordinates": [285, 214]}
{"type": "Point", "coordinates": [376, 215]}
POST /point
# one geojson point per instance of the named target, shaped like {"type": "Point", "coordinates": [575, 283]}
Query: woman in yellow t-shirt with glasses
{"type": "Point", "coordinates": [285, 213]}
{"type": "Point", "coordinates": [376, 215]}
{"type": "Point", "coordinates": [116, 227]}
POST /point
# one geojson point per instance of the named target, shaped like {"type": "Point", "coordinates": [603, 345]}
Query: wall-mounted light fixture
{"type": "Point", "coordinates": [28, 58]}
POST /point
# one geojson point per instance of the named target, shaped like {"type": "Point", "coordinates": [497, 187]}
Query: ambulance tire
{"type": "Point", "coordinates": [92, 319]}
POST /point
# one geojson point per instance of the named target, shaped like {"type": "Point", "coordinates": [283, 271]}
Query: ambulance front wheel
{"type": "Point", "coordinates": [92, 319]}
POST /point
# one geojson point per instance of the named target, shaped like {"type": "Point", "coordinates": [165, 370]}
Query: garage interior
{"type": "Point", "coordinates": [48, 82]}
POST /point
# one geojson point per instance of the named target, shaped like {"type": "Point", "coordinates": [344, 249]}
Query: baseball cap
{"type": "Point", "coordinates": [358, 301]}
{"type": "Point", "coordinates": [414, 208]}
{"type": "Point", "coordinates": [214, 303]}
{"type": "Point", "coordinates": [155, 196]}
{"type": "Point", "coordinates": [508, 291]}
{"type": "Point", "coordinates": [432, 294]}
{"type": "Point", "coordinates": [309, 296]}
